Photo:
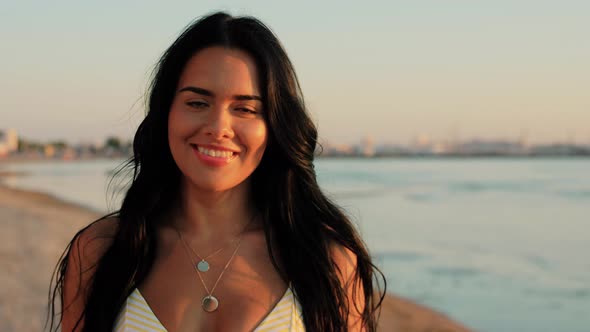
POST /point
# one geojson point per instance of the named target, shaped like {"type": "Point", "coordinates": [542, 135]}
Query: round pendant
{"type": "Point", "coordinates": [203, 266]}
{"type": "Point", "coordinates": [210, 303]}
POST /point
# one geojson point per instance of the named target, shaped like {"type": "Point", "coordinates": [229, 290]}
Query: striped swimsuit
{"type": "Point", "coordinates": [136, 315]}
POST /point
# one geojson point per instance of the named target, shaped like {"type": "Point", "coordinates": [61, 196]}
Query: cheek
{"type": "Point", "coordinates": [259, 136]}
{"type": "Point", "coordinates": [254, 137]}
{"type": "Point", "coordinates": [172, 120]}
{"type": "Point", "coordinates": [178, 124]}
{"type": "Point", "coordinates": [172, 131]}
{"type": "Point", "coordinates": [177, 131]}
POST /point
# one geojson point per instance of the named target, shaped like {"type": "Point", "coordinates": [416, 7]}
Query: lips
{"type": "Point", "coordinates": [217, 156]}
{"type": "Point", "coordinates": [215, 153]}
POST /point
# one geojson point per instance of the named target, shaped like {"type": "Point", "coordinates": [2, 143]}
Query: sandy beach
{"type": "Point", "coordinates": [37, 227]}
{"type": "Point", "coordinates": [35, 230]}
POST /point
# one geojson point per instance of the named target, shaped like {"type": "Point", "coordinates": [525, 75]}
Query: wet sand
{"type": "Point", "coordinates": [35, 229]}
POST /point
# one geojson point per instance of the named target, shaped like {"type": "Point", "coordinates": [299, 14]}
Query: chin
{"type": "Point", "coordinates": [215, 186]}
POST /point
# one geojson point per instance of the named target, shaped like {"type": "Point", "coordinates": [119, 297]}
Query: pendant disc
{"type": "Point", "coordinates": [203, 266]}
{"type": "Point", "coordinates": [210, 303]}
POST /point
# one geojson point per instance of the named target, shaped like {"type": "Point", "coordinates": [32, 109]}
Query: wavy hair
{"type": "Point", "coordinates": [296, 215]}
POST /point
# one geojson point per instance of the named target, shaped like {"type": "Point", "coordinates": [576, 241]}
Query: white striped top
{"type": "Point", "coordinates": [137, 316]}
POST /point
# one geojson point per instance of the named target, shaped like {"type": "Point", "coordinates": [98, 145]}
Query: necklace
{"type": "Point", "coordinates": [203, 264]}
{"type": "Point", "coordinates": [209, 302]}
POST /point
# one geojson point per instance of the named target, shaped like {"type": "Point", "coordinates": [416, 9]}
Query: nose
{"type": "Point", "coordinates": [218, 124]}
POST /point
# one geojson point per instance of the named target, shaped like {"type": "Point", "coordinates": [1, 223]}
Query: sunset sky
{"type": "Point", "coordinates": [391, 70]}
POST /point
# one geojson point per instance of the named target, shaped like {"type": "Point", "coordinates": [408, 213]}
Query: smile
{"type": "Point", "coordinates": [212, 157]}
{"type": "Point", "coordinates": [215, 153]}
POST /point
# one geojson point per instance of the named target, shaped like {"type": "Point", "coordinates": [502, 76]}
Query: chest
{"type": "Point", "coordinates": [247, 290]}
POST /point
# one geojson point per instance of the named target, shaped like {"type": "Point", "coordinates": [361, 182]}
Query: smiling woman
{"type": "Point", "coordinates": [216, 125]}
{"type": "Point", "coordinates": [224, 226]}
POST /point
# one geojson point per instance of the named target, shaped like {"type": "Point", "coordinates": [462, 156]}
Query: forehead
{"type": "Point", "coordinates": [224, 71]}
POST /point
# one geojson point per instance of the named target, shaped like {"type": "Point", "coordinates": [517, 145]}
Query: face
{"type": "Point", "coordinates": [216, 128]}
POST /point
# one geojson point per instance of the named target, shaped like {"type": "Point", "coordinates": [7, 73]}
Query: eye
{"type": "Point", "coordinates": [197, 104]}
{"type": "Point", "coordinates": [246, 110]}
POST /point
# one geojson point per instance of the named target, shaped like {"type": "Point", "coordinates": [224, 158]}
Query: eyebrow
{"type": "Point", "coordinates": [208, 93]}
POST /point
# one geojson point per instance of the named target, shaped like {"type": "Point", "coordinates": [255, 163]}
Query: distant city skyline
{"type": "Point", "coordinates": [13, 148]}
{"type": "Point", "coordinates": [394, 71]}
{"type": "Point", "coordinates": [416, 142]}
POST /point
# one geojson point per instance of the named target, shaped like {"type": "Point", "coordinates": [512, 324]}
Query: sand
{"type": "Point", "coordinates": [35, 229]}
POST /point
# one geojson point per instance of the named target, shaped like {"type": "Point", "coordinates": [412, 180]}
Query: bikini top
{"type": "Point", "coordinates": [136, 315]}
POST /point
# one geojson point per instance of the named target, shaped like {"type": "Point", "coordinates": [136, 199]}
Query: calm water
{"type": "Point", "coordinates": [499, 244]}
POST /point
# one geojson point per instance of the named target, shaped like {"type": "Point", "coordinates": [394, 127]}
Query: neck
{"type": "Point", "coordinates": [210, 217]}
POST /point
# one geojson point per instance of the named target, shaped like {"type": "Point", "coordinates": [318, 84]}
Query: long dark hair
{"type": "Point", "coordinates": [297, 216]}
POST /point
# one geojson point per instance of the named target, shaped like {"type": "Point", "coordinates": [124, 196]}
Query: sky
{"type": "Point", "coordinates": [389, 70]}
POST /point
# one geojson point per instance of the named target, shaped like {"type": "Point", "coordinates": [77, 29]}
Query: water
{"type": "Point", "coordinates": [499, 244]}
{"type": "Point", "coordinates": [81, 182]}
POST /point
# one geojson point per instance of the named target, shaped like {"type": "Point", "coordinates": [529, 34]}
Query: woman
{"type": "Point", "coordinates": [224, 227]}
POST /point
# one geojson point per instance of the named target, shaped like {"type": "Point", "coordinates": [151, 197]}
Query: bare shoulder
{"type": "Point", "coordinates": [346, 266]}
{"type": "Point", "coordinates": [87, 247]}
{"type": "Point", "coordinates": [345, 261]}
{"type": "Point", "coordinates": [92, 242]}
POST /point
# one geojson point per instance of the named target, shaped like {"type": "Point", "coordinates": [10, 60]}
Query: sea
{"type": "Point", "coordinates": [498, 244]}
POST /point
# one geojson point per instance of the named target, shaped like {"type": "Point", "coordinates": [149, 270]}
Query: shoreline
{"type": "Point", "coordinates": [36, 228]}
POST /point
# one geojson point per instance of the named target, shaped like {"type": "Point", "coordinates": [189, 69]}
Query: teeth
{"type": "Point", "coordinates": [215, 153]}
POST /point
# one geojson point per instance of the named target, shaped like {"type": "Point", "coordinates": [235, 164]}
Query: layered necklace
{"type": "Point", "coordinates": [203, 264]}
{"type": "Point", "coordinates": [209, 303]}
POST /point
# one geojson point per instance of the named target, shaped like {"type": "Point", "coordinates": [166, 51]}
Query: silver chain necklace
{"type": "Point", "coordinates": [209, 302]}
{"type": "Point", "coordinates": [203, 265]}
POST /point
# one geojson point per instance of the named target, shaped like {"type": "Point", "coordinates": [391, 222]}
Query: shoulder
{"type": "Point", "coordinates": [85, 251]}
{"type": "Point", "coordinates": [102, 229]}
{"type": "Point", "coordinates": [91, 243]}
{"type": "Point", "coordinates": [88, 246]}
{"type": "Point", "coordinates": [345, 261]}
{"type": "Point", "coordinates": [346, 268]}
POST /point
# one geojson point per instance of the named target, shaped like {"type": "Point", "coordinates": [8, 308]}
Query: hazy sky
{"type": "Point", "coordinates": [392, 70]}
